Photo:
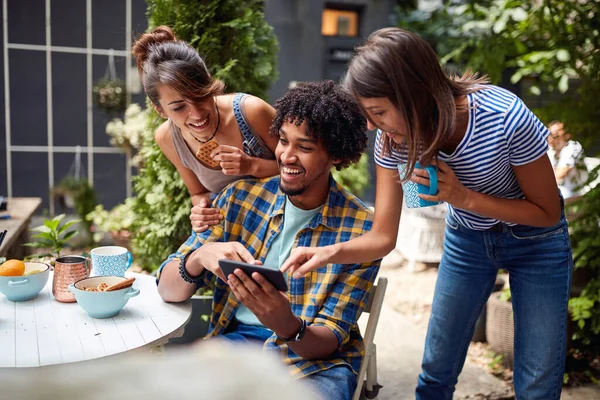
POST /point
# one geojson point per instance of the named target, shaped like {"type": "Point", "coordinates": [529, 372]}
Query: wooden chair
{"type": "Point", "coordinates": [367, 387]}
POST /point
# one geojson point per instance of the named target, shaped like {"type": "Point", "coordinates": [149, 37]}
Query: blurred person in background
{"type": "Point", "coordinates": [567, 158]}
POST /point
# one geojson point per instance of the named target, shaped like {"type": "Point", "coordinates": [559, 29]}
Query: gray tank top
{"type": "Point", "coordinates": [215, 180]}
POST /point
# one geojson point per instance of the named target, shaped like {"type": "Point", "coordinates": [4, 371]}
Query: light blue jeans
{"type": "Point", "coordinates": [337, 383]}
{"type": "Point", "coordinates": [539, 264]}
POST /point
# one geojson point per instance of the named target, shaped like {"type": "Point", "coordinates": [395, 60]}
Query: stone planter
{"type": "Point", "coordinates": [500, 327]}
{"type": "Point", "coordinates": [197, 327]}
{"type": "Point", "coordinates": [421, 234]}
{"type": "Point", "coordinates": [479, 331]}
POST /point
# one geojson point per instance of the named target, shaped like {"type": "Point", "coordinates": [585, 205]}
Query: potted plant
{"type": "Point", "coordinates": [116, 222]}
{"type": "Point", "coordinates": [110, 95]}
{"type": "Point", "coordinates": [54, 236]}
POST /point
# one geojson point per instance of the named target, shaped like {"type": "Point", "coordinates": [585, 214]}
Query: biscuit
{"type": "Point", "coordinates": [203, 154]}
{"type": "Point", "coordinates": [102, 287]}
{"type": "Point", "coordinates": [121, 285]}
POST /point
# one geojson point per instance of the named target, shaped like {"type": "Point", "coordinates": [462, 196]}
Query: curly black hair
{"type": "Point", "coordinates": [331, 115]}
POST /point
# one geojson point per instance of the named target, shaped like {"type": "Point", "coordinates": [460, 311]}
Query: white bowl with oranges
{"type": "Point", "coordinates": [22, 281]}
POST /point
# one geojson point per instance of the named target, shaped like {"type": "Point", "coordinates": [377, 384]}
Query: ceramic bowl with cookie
{"type": "Point", "coordinates": [103, 296]}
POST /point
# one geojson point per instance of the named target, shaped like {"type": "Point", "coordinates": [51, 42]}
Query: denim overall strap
{"type": "Point", "coordinates": [253, 145]}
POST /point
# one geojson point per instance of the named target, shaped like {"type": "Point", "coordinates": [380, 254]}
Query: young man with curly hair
{"type": "Point", "coordinates": [313, 326]}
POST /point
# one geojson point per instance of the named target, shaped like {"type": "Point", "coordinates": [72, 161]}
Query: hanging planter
{"type": "Point", "coordinates": [110, 93]}
{"type": "Point", "coordinates": [75, 192]}
{"type": "Point", "coordinates": [69, 188]}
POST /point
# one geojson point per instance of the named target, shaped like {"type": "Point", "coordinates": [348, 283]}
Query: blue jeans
{"type": "Point", "coordinates": [241, 333]}
{"type": "Point", "coordinates": [337, 383]}
{"type": "Point", "coordinates": [539, 264]}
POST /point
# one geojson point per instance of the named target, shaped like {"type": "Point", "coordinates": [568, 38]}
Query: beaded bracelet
{"type": "Point", "coordinates": [184, 273]}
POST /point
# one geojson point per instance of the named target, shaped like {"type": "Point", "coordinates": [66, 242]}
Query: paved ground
{"type": "Point", "coordinates": [400, 337]}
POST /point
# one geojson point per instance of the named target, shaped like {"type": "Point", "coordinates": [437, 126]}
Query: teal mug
{"type": "Point", "coordinates": [110, 261]}
{"type": "Point", "coordinates": [412, 189]}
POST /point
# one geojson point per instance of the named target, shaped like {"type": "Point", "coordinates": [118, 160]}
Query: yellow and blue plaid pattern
{"type": "Point", "coordinates": [333, 296]}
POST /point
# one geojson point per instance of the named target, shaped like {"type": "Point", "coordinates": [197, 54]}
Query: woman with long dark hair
{"type": "Point", "coordinates": [212, 138]}
{"type": "Point", "coordinates": [505, 210]}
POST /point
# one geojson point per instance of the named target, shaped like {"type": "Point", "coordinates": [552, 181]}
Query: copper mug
{"type": "Point", "coordinates": [68, 270]}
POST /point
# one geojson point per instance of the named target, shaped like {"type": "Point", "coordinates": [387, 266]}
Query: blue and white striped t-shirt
{"type": "Point", "coordinates": [501, 132]}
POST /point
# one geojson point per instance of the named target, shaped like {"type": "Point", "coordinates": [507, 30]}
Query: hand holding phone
{"type": "Point", "coordinates": [274, 276]}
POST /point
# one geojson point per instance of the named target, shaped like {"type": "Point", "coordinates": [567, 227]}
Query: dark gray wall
{"type": "Point", "coordinates": [3, 183]}
{"type": "Point", "coordinates": [306, 55]}
{"type": "Point", "coordinates": [303, 51]}
{"type": "Point", "coordinates": [28, 94]}
{"type": "Point", "coordinates": [297, 25]}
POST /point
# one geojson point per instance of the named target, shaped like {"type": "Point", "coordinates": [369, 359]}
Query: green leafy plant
{"type": "Point", "coordinates": [120, 217]}
{"type": "Point", "coordinates": [117, 221]}
{"type": "Point", "coordinates": [238, 45]}
{"type": "Point", "coordinates": [552, 43]}
{"type": "Point", "coordinates": [53, 235]}
{"type": "Point", "coordinates": [162, 208]}
{"type": "Point", "coordinates": [355, 177]}
{"type": "Point", "coordinates": [506, 295]}
{"type": "Point", "coordinates": [585, 240]}
{"type": "Point", "coordinates": [496, 363]}
{"type": "Point", "coordinates": [128, 132]}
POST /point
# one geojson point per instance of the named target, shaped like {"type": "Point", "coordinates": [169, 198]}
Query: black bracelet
{"type": "Point", "coordinates": [298, 336]}
{"type": "Point", "coordinates": [185, 275]}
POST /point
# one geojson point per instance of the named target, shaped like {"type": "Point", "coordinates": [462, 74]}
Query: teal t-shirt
{"type": "Point", "coordinates": [294, 219]}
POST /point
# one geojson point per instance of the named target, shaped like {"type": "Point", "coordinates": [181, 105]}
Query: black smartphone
{"type": "Point", "coordinates": [274, 276]}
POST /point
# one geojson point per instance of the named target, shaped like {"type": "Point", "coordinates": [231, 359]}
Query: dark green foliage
{"type": "Point", "coordinates": [53, 235]}
{"type": "Point", "coordinates": [585, 239]}
{"type": "Point", "coordinates": [236, 42]}
{"type": "Point", "coordinates": [162, 206]}
{"type": "Point", "coordinates": [355, 177]}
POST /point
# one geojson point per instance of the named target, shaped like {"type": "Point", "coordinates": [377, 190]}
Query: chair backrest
{"type": "Point", "coordinates": [373, 307]}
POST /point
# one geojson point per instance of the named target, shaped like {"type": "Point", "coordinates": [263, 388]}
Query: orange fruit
{"type": "Point", "coordinates": [12, 268]}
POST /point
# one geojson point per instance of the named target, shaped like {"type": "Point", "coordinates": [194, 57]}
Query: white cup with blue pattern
{"type": "Point", "coordinates": [110, 261]}
{"type": "Point", "coordinates": [412, 189]}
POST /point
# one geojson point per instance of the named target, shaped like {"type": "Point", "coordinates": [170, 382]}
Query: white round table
{"type": "Point", "coordinates": [44, 331]}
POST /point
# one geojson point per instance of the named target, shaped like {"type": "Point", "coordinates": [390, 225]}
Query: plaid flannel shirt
{"type": "Point", "coordinates": [333, 296]}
